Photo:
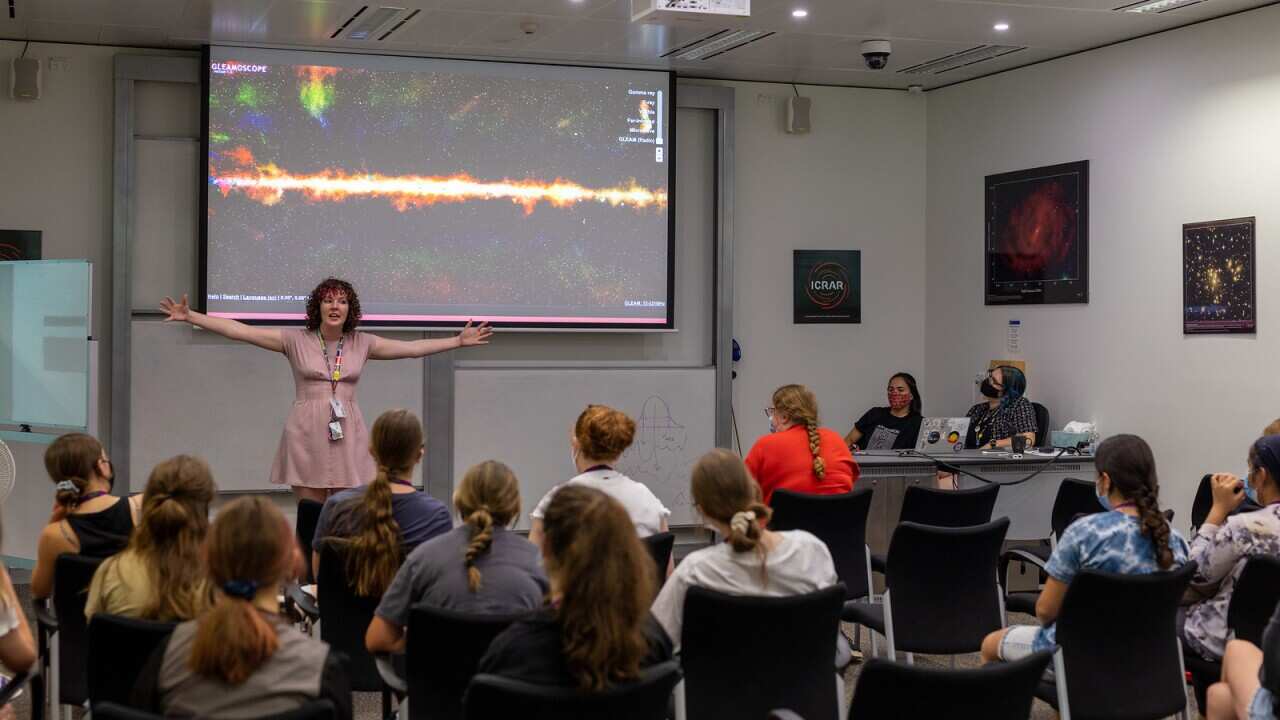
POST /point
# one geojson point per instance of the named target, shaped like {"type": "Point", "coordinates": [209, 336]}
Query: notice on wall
{"type": "Point", "coordinates": [1013, 337]}
{"type": "Point", "coordinates": [827, 286]}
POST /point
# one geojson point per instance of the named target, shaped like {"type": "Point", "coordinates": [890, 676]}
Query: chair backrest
{"type": "Point", "coordinates": [948, 508]}
{"type": "Point", "coordinates": [1140, 677]}
{"type": "Point", "coordinates": [745, 655]}
{"type": "Point", "coordinates": [660, 546]}
{"type": "Point", "coordinates": [840, 521]}
{"type": "Point", "coordinates": [314, 710]}
{"type": "Point", "coordinates": [71, 577]}
{"type": "Point", "coordinates": [119, 647]}
{"type": "Point", "coordinates": [1074, 498]}
{"type": "Point", "coordinates": [942, 586]}
{"type": "Point", "coordinates": [494, 696]}
{"type": "Point", "coordinates": [307, 519]}
{"type": "Point", "coordinates": [344, 618]}
{"type": "Point", "coordinates": [1254, 598]}
{"type": "Point", "coordinates": [999, 691]}
{"type": "Point", "coordinates": [1042, 423]}
{"type": "Point", "coordinates": [1203, 503]}
{"type": "Point", "coordinates": [443, 649]}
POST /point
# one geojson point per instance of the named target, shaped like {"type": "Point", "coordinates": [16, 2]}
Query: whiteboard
{"type": "Point", "coordinates": [226, 401]}
{"type": "Point", "coordinates": [524, 417]}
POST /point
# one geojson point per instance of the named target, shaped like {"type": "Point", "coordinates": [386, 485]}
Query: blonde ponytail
{"type": "Point", "coordinates": [800, 406]}
{"type": "Point", "coordinates": [724, 491]}
{"type": "Point", "coordinates": [488, 495]}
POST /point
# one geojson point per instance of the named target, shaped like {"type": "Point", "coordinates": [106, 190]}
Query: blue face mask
{"type": "Point", "coordinates": [1103, 500]}
{"type": "Point", "coordinates": [1249, 490]}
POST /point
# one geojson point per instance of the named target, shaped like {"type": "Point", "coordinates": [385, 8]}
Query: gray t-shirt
{"type": "Point", "coordinates": [511, 577]}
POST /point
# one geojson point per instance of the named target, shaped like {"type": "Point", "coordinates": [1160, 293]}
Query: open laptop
{"type": "Point", "coordinates": [938, 434]}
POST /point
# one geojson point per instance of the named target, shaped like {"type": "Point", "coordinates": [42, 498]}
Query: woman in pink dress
{"type": "Point", "coordinates": [325, 444]}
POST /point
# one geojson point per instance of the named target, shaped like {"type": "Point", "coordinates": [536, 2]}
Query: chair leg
{"type": "Point", "coordinates": [1182, 679]}
{"type": "Point", "coordinates": [911, 658]}
{"type": "Point", "coordinates": [1060, 680]}
{"type": "Point", "coordinates": [888, 626]}
{"type": "Point", "coordinates": [682, 712]}
{"type": "Point", "coordinates": [386, 703]}
{"type": "Point", "coordinates": [55, 689]}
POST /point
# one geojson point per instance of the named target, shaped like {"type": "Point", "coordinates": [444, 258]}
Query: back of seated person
{"type": "Point", "coordinates": [480, 566]}
{"type": "Point", "coordinates": [597, 630]}
{"type": "Point", "coordinates": [160, 576]}
{"type": "Point", "coordinates": [1224, 541]}
{"type": "Point", "coordinates": [87, 519]}
{"type": "Point", "coordinates": [376, 524]}
{"type": "Point", "coordinates": [1250, 678]}
{"type": "Point", "coordinates": [1131, 537]}
{"type": "Point", "coordinates": [240, 658]}
{"type": "Point", "coordinates": [17, 648]}
{"type": "Point", "coordinates": [798, 455]}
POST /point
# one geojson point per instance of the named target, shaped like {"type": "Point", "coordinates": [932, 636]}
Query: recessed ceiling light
{"type": "Point", "coordinates": [1000, 27]}
{"type": "Point", "coordinates": [799, 13]}
{"type": "Point", "coordinates": [1157, 6]}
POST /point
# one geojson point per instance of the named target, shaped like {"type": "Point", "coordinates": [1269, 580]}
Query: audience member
{"type": "Point", "coordinates": [375, 525]}
{"type": "Point", "coordinates": [798, 455]}
{"type": "Point", "coordinates": [1250, 679]}
{"type": "Point", "coordinates": [599, 437]}
{"type": "Point", "coordinates": [240, 658]}
{"type": "Point", "coordinates": [480, 566]}
{"type": "Point", "coordinates": [1132, 537]}
{"type": "Point", "coordinates": [17, 648]}
{"type": "Point", "coordinates": [597, 630]}
{"type": "Point", "coordinates": [895, 427]}
{"type": "Point", "coordinates": [1005, 413]}
{"type": "Point", "coordinates": [159, 576]}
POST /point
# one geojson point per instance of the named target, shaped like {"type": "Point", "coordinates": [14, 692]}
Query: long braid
{"type": "Point", "coordinates": [481, 523]}
{"type": "Point", "coordinates": [815, 446]}
{"type": "Point", "coordinates": [1154, 524]}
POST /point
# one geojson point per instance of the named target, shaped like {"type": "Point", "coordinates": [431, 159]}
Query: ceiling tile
{"type": "Point", "coordinates": [132, 35]}
{"type": "Point", "coordinates": [581, 36]}
{"type": "Point", "coordinates": [443, 28]}
{"type": "Point", "coordinates": [507, 31]}
{"type": "Point", "coordinates": [62, 32]}
{"type": "Point", "coordinates": [567, 8]}
{"type": "Point", "coordinates": [207, 18]}
{"type": "Point", "coordinates": [306, 19]}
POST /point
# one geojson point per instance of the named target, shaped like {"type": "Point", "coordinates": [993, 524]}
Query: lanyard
{"type": "Point", "coordinates": [400, 481]}
{"type": "Point", "coordinates": [91, 495]}
{"type": "Point", "coordinates": [594, 468]}
{"type": "Point", "coordinates": [334, 372]}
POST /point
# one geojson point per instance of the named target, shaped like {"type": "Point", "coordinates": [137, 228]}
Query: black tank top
{"type": "Point", "coordinates": [104, 533]}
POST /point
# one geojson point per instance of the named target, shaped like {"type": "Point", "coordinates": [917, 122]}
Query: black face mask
{"type": "Point", "coordinates": [989, 389]}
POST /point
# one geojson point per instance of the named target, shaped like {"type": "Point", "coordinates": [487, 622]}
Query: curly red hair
{"type": "Point", "coordinates": [333, 286]}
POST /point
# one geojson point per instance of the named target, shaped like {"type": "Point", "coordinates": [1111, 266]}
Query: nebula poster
{"type": "Point", "coordinates": [1036, 243]}
{"type": "Point", "coordinates": [1219, 294]}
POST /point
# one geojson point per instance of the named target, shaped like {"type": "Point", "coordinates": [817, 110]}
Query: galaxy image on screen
{"type": "Point", "coordinates": [502, 192]}
{"type": "Point", "coordinates": [1218, 272]}
{"type": "Point", "coordinates": [1036, 236]}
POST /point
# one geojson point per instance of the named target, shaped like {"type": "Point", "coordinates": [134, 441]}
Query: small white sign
{"type": "Point", "coordinates": [1013, 337]}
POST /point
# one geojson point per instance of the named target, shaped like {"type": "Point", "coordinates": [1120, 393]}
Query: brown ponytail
{"type": "Point", "coordinates": [488, 495]}
{"type": "Point", "coordinates": [800, 406]}
{"type": "Point", "coordinates": [374, 548]}
{"type": "Point", "coordinates": [1127, 460]}
{"type": "Point", "coordinates": [724, 491]}
{"type": "Point", "coordinates": [605, 594]}
{"type": "Point", "coordinates": [249, 546]}
{"type": "Point", "coordinates": [72, 458]}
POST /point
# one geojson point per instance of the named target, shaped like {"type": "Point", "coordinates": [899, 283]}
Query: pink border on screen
{"type": "Point", "coordinates": [451, 318]}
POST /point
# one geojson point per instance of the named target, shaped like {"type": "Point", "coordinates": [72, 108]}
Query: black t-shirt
{"type": "Point", "coordinates": [907, 428]}
{"type": "Point", "coordinates": [530, 650]}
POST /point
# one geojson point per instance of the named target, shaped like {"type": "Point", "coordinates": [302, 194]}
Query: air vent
{"type": "Point", "coordinates": [374, 23]}
{"type": "Point", "coordinates": [717, 43]}
{"type": "Point", "coordinates": [964, 58]}
{"type": "Point", "coordinates": [1157, 6]}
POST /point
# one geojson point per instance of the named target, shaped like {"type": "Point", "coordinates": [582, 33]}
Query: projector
{"type": "Point", "coordinates": [658, 11]}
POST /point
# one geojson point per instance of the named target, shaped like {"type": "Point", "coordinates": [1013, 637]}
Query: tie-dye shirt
{"type": "Point", "coordinates": [1220, 554]}
{"type": "Point", "coordinates": [1109, 542]}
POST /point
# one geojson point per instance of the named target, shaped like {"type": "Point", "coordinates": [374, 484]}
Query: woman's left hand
{"type": "Point", "coordinates": [477, 335]}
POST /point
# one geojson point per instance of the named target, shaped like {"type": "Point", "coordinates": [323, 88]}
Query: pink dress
{"type": "Point", "coordinates": [307, 457]}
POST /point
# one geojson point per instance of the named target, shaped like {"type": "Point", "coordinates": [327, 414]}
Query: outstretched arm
{"type": "Point", "coordinates": [388, 349]}
{"type": "Point", "coordinates": [266, 338]}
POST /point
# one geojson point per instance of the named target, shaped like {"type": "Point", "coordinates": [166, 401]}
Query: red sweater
{"type": "Point", "coordinates": [782, 460]}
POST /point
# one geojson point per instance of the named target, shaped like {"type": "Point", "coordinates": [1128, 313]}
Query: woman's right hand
{"type": "Point", "coordinates": [180, 311]}
{"type": "Point", "coordinates": [1228, 492]}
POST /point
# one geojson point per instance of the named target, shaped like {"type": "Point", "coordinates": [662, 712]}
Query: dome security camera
{"type": "Point", "coordinates": [876, 53]}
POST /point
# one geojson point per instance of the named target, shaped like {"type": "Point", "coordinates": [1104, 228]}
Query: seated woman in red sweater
{"type": "Point", "coordinates": [798, 455]}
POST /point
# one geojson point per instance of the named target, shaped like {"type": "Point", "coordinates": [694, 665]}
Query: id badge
{"type": "Point", "coordinates": [335, 430]}
{"type": "Point", "coordinates": [338, 410]}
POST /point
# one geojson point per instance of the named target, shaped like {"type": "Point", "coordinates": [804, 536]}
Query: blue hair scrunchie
{"type": "Point", "coordinates": [243, 589]}
{"type": "Point", "coordinates": [1267, 449]}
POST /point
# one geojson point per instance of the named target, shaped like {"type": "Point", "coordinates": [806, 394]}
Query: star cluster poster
{"type": "Point", "coordinates": [1037, 236]}
{"type": "Point", "coordinates": [1219, 294]}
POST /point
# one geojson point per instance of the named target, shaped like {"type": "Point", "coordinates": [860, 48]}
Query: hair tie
{"type": "Point", "coordinates": [742, 520]}
{"type": "Point", "coordinates": [242, 589]}
{"type": "Point", "coordinates": [66, 486]}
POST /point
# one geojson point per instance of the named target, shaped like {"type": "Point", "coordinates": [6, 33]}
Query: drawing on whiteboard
{"type": "Point", "coordinates": [658, 453]}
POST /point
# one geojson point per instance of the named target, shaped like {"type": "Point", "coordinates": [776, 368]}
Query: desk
{"type": "Point", "coordinates": [1027, 505]}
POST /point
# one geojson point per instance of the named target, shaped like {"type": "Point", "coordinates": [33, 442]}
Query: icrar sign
{"type": "Point", "coordinates": [827, 286]}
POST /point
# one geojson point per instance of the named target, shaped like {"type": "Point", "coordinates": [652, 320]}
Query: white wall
{"type": "Point", "coordinates": [1178, 127]}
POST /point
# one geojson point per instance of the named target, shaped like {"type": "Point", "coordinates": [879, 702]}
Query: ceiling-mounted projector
{"type": "Point", "coordinates": [662, 10]}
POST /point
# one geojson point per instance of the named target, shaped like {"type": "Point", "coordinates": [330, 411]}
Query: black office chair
{"type": "Point", "coordinates": [941, 596]}
{"type": "Point", "coordinates": [494, 696]}
{"type": "Point", "coordinates": [314, 710]}
{"type": "Point", "coordinates": [797, 634]}
{"type": "Point", "coordinates": [1203, 503]}
{"type": "Point", "coordinates": [66, 659]}
{"type": "Point", "coordinates": [1253, 600]}
{"type": "Point", "coordinates": [1000, 691]}
{"type": "Point", "coordinates": [344, 618]}
{"type": "Point", "coordinates": [307, 519]}
{"type": "Point", "coordinates": [1098, 677]}
{"type": "Point", "coordinates": [660, 546]}
{"type": "Point", "coordinates": [943, 508]}
{"type": "Point", "coordinates": [1074, 498]}
{"type": "Point", "coordinates": [839, 521]}
{"type": "Point", "coordinates": [12, 687]}
{"type": "Point", "coordinates": [1042, 423]}
{"type": "Point", "coordinates": [119, 648]}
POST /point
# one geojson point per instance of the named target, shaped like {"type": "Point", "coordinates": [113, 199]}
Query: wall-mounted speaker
{"type": "Point", "coordinates": [24, 79]}
{"type": "Point", "coordinates": [798, 114]}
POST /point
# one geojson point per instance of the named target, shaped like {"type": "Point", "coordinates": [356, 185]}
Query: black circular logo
{"type": "Point", "coordinates": [827, 285]}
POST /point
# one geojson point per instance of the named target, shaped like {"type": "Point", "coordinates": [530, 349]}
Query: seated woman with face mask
{"type": "Point", "coordinates": [1005, 413]}
{"type": "Point", "coordinates": [896, 427]}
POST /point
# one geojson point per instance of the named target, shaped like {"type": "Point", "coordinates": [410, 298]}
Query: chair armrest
{"type": "Point", "coordinates": [15, 684]}
{"type": "Point", "coordinates": [295, 595]}
{"type": "Point", "coordinates": [783, 714]}
{"type": "Point", "coordinates": [387, 669]}
{"type": "Point", "coordinates": [1017, 555]}
{"type": "Point", "coordinates": [46, 619]}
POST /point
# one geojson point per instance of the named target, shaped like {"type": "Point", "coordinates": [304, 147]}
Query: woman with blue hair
{"type": "Point", "coordinates": [1005, 413]}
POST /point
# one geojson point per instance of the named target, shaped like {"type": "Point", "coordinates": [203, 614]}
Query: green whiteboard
{"type": "Point", "coordinates": [44, 343]}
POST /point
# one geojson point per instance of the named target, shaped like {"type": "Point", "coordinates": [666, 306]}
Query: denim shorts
{"type": "Point", "coordinates": [1263, 705]}
{"type": "Point", "coordinates": [1018, 642]}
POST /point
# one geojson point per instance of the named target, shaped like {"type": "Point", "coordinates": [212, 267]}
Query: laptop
{"type": "Point", "coordinates": [938, 434]}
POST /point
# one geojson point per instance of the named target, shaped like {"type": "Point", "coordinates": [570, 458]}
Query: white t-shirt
{"type": "Point", "coordinates": [646, 510]}
{"type": "Point", "coordinates": [799, 564]}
